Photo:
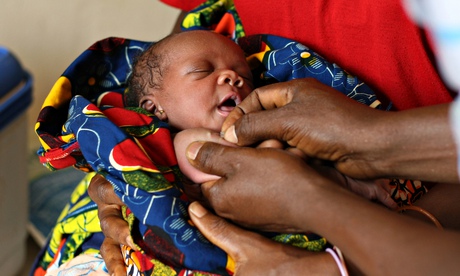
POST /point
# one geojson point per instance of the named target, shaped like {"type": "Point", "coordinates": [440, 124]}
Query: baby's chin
{"type": "Point", "coordinates": [215, 126]}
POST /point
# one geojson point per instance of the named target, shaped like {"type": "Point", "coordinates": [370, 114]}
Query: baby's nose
{"type": "Point", "coordinates": [231, 78]}
{"type": "Point", "coordinates": [238, 82]}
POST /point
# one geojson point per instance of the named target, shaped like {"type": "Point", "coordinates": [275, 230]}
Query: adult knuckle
{"type": "Point", "coordinates": [94, 187]}
{"type": "Point", "coordinates": [92, 192]}
{"type": "Point", "coordinates": [246, 123]}
{"type": "Point", "coordinates": [213, 194]}
{"type": "Point", "coordinates": [105, 248]}
{"type": "Point", "coordinates": [206, 155]}
{"type": "Point", "coordinates": [218, 227]}
{"type": "Point", "coordinates": [105, 225]}
{"type": "Point", "coordinates": [103, 192]}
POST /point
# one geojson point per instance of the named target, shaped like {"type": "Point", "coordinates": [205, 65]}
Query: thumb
{"type": "Point", "coordinates": [217, 230]}
{"type": "Point", "coordinates": [255, 127]}
{"type": "Point", "coordinates": [216, 159]}
{"type": "Point", "coordinates": [256, 117]}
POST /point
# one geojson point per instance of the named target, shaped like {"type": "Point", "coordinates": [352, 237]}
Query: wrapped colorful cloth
{"type": "Point", "coordinates": [84, 123]}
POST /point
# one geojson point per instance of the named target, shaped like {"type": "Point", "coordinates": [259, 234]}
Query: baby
{"type": "Point", "coordinates": [192, 80]}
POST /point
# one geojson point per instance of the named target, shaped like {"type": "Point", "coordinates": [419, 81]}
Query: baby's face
{"type": "Point", "coordinates": [206, 76]}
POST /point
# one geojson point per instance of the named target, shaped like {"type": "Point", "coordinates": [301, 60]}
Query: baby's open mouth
{"type": "Point", "coordinates": [228, 104]}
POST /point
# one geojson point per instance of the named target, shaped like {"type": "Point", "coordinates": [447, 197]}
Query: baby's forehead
{"type": "Point", "coordinates": [199, 38]}
{"type": "Point", "coordinates": [195, 34]}
{"type": "Point", "coordinates": [200, 46]}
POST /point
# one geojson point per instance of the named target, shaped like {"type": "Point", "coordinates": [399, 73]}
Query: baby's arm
{"type": "Point", "coordinates": [185, 138]}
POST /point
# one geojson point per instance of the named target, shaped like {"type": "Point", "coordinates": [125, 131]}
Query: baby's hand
{"type": "Point", "coordinates": [185, 138]}
{"type": "Point", "coordinates": [376, 190]}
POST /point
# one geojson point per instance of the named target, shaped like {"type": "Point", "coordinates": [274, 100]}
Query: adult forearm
{"type": "Point", "coordinates": [415, 144]}
{"type": "Point", "coordinates": [379, 241]}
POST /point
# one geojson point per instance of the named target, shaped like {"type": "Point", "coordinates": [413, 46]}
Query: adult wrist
{"type": "Point", "coordinates": [365, 146]}
{"type": "Point", "coordinates": [416, 144]}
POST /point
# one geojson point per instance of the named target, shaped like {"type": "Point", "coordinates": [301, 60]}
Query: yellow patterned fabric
{"type": "Point", "coordinates": [77, 224]}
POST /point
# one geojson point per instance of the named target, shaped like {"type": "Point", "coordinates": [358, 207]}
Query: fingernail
{"type": "Point", "coordinates": [230, 135]}
{"type": "Point", "coordinates": [193, 149]}
{"type": "Point", "coordinates": [197, 210]}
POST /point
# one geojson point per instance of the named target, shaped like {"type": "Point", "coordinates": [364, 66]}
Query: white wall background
{"type": "Point", "coordinates": [47, 35]}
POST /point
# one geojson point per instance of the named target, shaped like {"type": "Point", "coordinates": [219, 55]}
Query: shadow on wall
{"type": "Point", "coordinates": [48, 35]}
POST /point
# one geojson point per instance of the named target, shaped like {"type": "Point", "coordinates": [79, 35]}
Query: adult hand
{"type": "Point", "coordinates": [310, 116]}
{"type": "Point", "coordinates": [275, 185]}
{"type": "Point", "coordinates": [254, 254]}
{"type": "Point", "coordinates": [273, 190]}
{"type": "Point", "coordinates": [361, 142]}
{"type": "Point", "coordinates": [114, 227]}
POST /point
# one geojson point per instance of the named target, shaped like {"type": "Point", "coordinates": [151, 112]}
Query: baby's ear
{"type": "Point", "coordinates": [160, 113]}
{"type": "Point", "coordinates": [150, 104]}
{"type": "Point", "coordinates": [147, 103]}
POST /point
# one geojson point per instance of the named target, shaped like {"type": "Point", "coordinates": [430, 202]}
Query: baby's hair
{"type": "Point", "coordinates": [148, 70]}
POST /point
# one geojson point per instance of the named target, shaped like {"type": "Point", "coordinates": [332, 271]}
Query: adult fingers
{"type": "Point", "coordinates": [101, 191]}
{"type": "Point", "coordinates": [109, 211]}
{"type": "Point", "coordinates": [110, 251]}
{"type": "Point", "coordinates": [254, 254]}
{"type": "Point", "coordinates": [264, 98]}
{"type": "Point", "coordinates": [223, 234]}
{"type": "Point", "coordinates": [114, 226]}
{"type": "Point", "coordinates": [208, 157]}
